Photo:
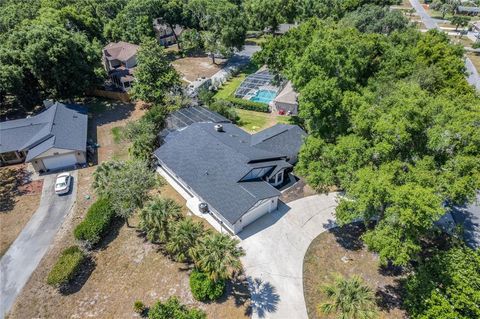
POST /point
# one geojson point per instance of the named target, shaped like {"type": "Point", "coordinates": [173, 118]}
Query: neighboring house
{"type": "Point", "coordinates": [286, 102]}
{"type": "Point", "coordinates": [227, 173]}
{"type": "Point", "coordinates": [468, 218]}
{"type": "Point", "coordinates": [53, 139]}
{"type": "Point", "coordinates": [165, 34]}
{"type": "Point", "coordinates": [468, 10]}
{"type": "Point", "coordinates": [120, 60]}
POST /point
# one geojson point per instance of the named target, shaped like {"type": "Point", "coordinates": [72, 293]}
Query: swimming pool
{"type": "Point", "coordinates": [264, 96]}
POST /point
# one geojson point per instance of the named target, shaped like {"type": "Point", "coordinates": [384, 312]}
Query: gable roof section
{"type": "Point", "coordinates": [283, 138]}
{"type": "Point", "coordinates": [287, 95]}
{"type": "Point", "coordinates": [121, 51]}
{"type": "Point", "coordinates": [62, 126]}
{"type": "Point", "coordinates": [212, 164]}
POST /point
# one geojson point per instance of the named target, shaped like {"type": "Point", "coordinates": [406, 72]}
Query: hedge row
{"type": "Point", "coordinates": [66, 266]}
{"type": "Point", "coordinates": [97, 221]}
{"type": "Point", "coordinates": [248, 105]}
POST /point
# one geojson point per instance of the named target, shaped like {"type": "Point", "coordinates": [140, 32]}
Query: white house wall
{"type": "Point", "coordinates": [266, 206]}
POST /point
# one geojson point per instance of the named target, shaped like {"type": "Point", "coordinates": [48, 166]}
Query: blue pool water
{"type": "Point", "coordinates": [264, 96]}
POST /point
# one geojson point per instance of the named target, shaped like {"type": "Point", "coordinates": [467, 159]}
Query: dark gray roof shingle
{"type": "Point", "coordinates": [61, 126]}
{"type": "Point", "coordinates": [213, 163]}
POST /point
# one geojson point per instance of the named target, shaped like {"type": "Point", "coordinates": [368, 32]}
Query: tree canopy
{"type": "Point", "coordinates": [392, 121]}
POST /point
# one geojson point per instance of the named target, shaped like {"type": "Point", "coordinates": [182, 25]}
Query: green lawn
{"type": "Point", "coordinates": [252, 121]}
{"type": "Point", "coordinates": [228, 89]}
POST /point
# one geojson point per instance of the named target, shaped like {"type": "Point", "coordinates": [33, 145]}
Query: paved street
{"type": "Point", "coordinates": [473, 78]}
{"type": "Point", "coordinates": [275, 246]}
{"type": "Point", "coordinates": [27, 250]}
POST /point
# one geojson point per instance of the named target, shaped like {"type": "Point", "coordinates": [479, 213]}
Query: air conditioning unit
{"type": "Point", "coordinates": [203, 208]}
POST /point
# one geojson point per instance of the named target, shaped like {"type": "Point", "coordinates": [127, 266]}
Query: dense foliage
{"type": "Point", "coordinates": [156, 218]}
{"type": "Point", "coordinates": [205, 289]}
{"type": "Point", "coordinates": [96, 223]}
{"type": "Point", "coordinates": [247, 104]}
{"type": "Point", "coordinates": [66, 266]}
{"type": "Point", "coordinates": [392, 121]}
{"type": "Point", "coordinates": [445, 285]}
{"type": "Point", "coordinates": [172, 308]}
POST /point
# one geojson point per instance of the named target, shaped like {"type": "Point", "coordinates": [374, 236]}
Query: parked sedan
{"type": "Point", "coordinates": [63, 183]}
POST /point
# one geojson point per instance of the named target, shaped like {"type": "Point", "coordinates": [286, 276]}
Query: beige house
{"type": "Point", "coordinates": [286, 102]}
{"type": "Point", "coordinates": [165, 34]}
{"type": "Point", "coordinates": [120, 60]}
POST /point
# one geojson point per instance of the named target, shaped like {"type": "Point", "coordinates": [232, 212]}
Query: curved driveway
{"type": "Point", "coordinates": [275, 246]}
{"type": "Point", "coordinates": [28, 249]}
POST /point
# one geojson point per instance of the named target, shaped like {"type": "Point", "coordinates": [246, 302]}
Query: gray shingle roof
{"type": "Point", "coordinates": [61, 126]}
{"type": "Point", "coordinates": [213, 163]}
{"type": "Point", "coordinates": [469, 218]}
{"type": "Point", "coordinates": [282, 138]}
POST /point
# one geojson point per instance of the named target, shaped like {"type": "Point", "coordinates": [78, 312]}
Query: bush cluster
{"type": "Point", "coordinates": [66, 266]}
{"type": "Point", "coordinates": [97, 221]}
{"type": "Point", "coordinates": [203, 288]}
{"type": "Point", "coordinates": [248, 105]}
{"type": "Point", "coordinates": [172, 308]}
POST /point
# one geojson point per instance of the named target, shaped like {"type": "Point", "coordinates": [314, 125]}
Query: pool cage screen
{"type": "Point", "coordinates": [255, 82]}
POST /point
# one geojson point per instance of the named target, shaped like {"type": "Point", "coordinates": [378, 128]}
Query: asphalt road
{"type": "Point", "coordinates": [24, 255]}
{"type": "Point", "coordinates": [275, 246]}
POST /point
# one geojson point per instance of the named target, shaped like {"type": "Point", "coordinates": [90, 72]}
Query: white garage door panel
{"type": "Point", "coordinates": [256, 213]}
{"type": "Point", "coordinates": [60, 161]}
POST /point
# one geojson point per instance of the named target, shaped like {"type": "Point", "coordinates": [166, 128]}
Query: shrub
{"type": "Point", "coordinates": [66, 266]}
{"type": "Point", "coordinates": [226, 109]}
{"type": "Point", "coordinates": [249, 105]}
{"type": "Point", "coordinates": [96, 223]}
{"type": "Point", "coordinates": [172, 308]}
{"type": "Point", "coordinates": [203, 288]}
{"type": "Point", "coordinates": [138, 306]}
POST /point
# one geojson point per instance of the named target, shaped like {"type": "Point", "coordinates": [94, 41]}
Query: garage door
{"type": "Point", "coordinates": [60, 161]}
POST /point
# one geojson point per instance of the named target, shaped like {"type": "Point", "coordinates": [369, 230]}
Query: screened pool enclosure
{"type": "Point", "coordinates": [258, 87]}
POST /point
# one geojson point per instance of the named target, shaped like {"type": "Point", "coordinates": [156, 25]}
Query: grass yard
{"type": "Point", "coordinates": [252, 121]}
{"type": "Point", "coordinates": [463, 41]}
{"type": "Point", "coordinates": [228, 89]}
{"type": "Point", "coordinates": [117, 134]}
{"type": "Point", "coordinates": [340, 251]}
{"type": "Point", "coordinates": [475, 58]}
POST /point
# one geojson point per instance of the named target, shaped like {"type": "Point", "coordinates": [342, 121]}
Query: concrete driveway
{"type": "Point", "coordinates": [275, 246]}
{"type": "Point", "coordinates": [27, 250]}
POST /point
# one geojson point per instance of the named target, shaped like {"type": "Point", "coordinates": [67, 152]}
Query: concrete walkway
{"type": "Point", "coordinates": [275, 246]}
{"type": "Point", "coordinates": [472, 74]}
{"type": "Point", "coordinates": [24, 255]}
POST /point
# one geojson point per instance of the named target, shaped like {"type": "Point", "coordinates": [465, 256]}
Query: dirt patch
{"type": "Point", "coordinates": [299, 190]}
{"type": "Point", "coordinates": [192, 68]}
{"type": "Point", "coordinates": [340, 251]}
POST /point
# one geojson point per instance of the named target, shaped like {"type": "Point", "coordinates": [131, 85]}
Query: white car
{"type": "Point", "coordinates": [63, 183]}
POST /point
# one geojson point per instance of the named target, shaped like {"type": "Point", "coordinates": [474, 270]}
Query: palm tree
{"type": "Point", "coordinates": [350, 298]}
{"type": "Point", "coordinates": [218, 255]}
{"type": "Point", "coordinates": [102, 175]}
{"type": "Point", "coordinates": [156, 216]}
{"type": "Point", "coordinates": [184, 235]}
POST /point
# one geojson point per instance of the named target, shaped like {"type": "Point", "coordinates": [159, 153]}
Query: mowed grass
{"type": "Point", "coordinates": [228, 89]}
{"type": "Point", "coordinates": [252, 121]}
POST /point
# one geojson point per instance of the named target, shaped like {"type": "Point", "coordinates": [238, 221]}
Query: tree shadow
{"type": "Point", "coordinates": [264, 297]}
{"type": "Point", "coordinates": [80, 278]}
{"type": "Point", "coordinates": [238, 289]}
{"type": "Point", "coordinates": [390, 270]}
{"type": "Point", "coordinates": [348, 236]}
{"type": "Point", "coordinates": [107, 111]}
{"type": "Point", "coordinates": [113, 232]}
{"type": "Point", "coordinates": [389, 297]}
{"type": "Point", "coordinates": [12, 184]}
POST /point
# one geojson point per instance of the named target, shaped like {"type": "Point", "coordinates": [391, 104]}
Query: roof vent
{"type": "Point", "coordinates": [219, 128]}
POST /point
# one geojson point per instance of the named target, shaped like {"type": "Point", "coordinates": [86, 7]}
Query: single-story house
{"type": "Point", "coordinates": [468, 10]}
{"type": "Point", "coordinates": [53, 139]}
{"type": "Point", "coordinates": [227, 173]}
{"type": "Point", "coordinates": [164, 33]}
{"type": "Point", "coordinates": [286, 102]}
{"type": "Point", "coordinates": [120, 60]}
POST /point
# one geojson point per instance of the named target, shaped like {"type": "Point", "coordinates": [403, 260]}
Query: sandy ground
{"type": "Point", "coordinates": [192, 68]}
{"type": "Point", "coordinates": [124, 268]}
{"type": "Point", "coordinates": [340, 252]}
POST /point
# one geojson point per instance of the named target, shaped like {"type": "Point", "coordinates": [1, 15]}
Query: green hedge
{"type": "Point", "coordinates": [66, 266]}
{"type": "Point", "coordinates": [97, 221]}
{"type": "Point", "coordinates": [248, 105]}
{"type": "Point", "coordinates": [203, 288]}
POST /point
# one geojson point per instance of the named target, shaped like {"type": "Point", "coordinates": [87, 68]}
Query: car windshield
{"type": "Point", "coordinates": [60, 185]}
